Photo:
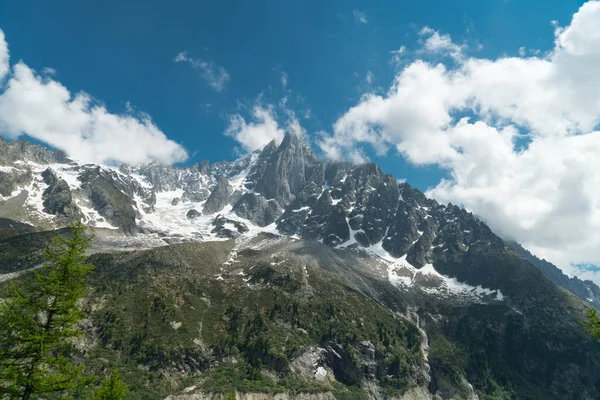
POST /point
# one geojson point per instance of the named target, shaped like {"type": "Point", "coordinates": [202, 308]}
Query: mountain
{"type": "Point", "coordinates": [281, 273]}
{"type": "Point", "coordinates": [586, 290]}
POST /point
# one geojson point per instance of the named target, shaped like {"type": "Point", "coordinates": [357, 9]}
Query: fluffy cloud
{"type": "Point", "coordinates": [45, 110]}
{"type": "Point", "coordinates": [260, 131]}
{"type": "Point", "coordinates": [3, 56]}
{"type": "Point", "coordinates": [517, 135]}
{"type": "Point", "coordinates": [442, 44]}
{"type": "Point", "coordinates": [266, 122]}
{"type": "Point", "coordinates": [214, 75]}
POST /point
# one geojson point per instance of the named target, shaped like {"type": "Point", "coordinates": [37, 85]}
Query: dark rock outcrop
{"type": "Point", "coordinates": [228, 228]}
{"type": "Point", "coordinates": [257, 209]}
{"type": "Point", "coordinates": [192, 214]}
{"type": "Point", "coordinates": [11, 180]}
{"type": "Point", "coordinates": [112, 203]}
{"type": "Point", "coordinates": [58, 199]}
{"type": "Point", "coordinates": [288, 169]}
{"type": "Point", "coordinates": [21, 149]}
{"type": "Point", "coordinates": [219, 197]}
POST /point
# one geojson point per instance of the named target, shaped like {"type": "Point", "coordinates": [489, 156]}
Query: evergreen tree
{"type": "Point", "coordinates": [593, 322]}
{"type": "Point", "coordinates": [112, 388]}
{"type": "Point", "coordinates": [39, 315]}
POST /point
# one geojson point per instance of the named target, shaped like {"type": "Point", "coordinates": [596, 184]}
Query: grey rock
{"type": "Point", "coordinates": [204, 167]}
{"type": "Point", "coordinates": [289, 169]}
{"type": "Point", "coordinates": [175, 201]}
{"type": "Point", "coordinates": [22, 149]}
{"type": "Point", "coordinates": [10, 181]}
{"type": "Point", "coordinates": [58, 199]}
{"type": "Point", "coordinates": [111, 197]}
{"type": "Point", "coordinates": [192, 214]}
{"type": "Point", "coordinates": [219, 197]}
{"type": "Point", "coordinates": [257, 209]}
{"type": "Point", "coordinates": [228, 228]}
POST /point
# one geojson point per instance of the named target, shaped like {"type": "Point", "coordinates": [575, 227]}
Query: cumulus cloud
{"type": "Point", "coordinates": [45, 110]}
{"type": "Point", "coordinates": [519, 136]}
{"type": "Point", "coordinates": [265, 122]}
{"type": "Point", "coordinates": [214, 75]}
{"type": "Point", "coordinates": [359, 17]}
{"type": "Point", "coordinates": [3, 56]}
{"type": "Point", "coordinates": [441, 44]}
{"type": "Point", "coordinates": [262, 128]}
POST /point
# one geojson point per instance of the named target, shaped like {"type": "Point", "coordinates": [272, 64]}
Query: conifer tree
{"type": "Point", "coordinates": [39, 317]}
{"type": "Point", "coordinates": [112, 388]}
{"type": "Point", "coordinates": [592, 323]}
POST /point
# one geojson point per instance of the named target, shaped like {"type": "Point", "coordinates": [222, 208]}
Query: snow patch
{"type": "Point", "coordinates": [402, 274]}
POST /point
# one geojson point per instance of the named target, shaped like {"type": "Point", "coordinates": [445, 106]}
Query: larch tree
{"type": "Point", "coordinates": [111, 388]}
{"type": "Point", "coordinates": [592, 322]}
{"type": "Point", "coordinates": [39, 317]}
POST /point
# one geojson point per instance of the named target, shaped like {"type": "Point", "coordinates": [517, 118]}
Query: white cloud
{"type": "Point", "coordinates": [546, 195]}
{"type": "Point", "coordinates": [267, 120]}
{"type": "Point", "coordinates": [370, 77]}
{"type": "Point", "coordinates": [214, 75]}
{"type": "Point", "coordinates": [437, 43]}
{"type": "Point", "coordinates": [4, 57]}
{"type": "Point", "coordinates": [260, 131]}
{"type": "Point", "coordinates": [359, 17]}
{"type": "Point", "coordinates": [284, 79]}
{"type": "Point", "coordinates": [45, 110]}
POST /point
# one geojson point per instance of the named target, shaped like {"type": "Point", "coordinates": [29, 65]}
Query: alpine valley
{"type": "Point", "coordinates": [281, 276]}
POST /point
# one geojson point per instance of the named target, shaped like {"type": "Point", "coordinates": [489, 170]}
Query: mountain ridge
{"type": "Point", "coordinates": [491, 322]}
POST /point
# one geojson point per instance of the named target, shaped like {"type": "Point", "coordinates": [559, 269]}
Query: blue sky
{"type": "Point", "coordinates": [123, 51]}
{"type": "Point", "coordinates": [493, 105]}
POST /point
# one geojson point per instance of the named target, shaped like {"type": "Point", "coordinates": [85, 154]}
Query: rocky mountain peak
{"type": "Point", "coordinates": [288, 169]}
{"type": "Point", "coordinates": [21, 149]}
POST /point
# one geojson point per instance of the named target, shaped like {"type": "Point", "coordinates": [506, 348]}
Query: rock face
{"type": "Point", "coordinates": [9, 181]}
{"type": "Point", "coordinates": [21, 149]}
{"type": "Point", "coordinates": [192, 214]}
{"type": "Point", "coordinates": [257, 209]}
{"type": "Point", "coordinates": [288, 169]}
{"type": "Point", "coordinates": [109, 198]}
{"type": "Point", "coordinates": [227, 228]}
{"type": "Point", "coordinates": [57, 197]}
{"type": "Point", "coordinates": [219, 197]}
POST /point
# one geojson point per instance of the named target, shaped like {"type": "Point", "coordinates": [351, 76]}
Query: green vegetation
{"type": "Point", "coordinates": [165, 309]}
{"type": "Point", "coordinates": [112, 388]}
{"type": "Point", "coordinates": [39, 319]}
{"type": "Point", "coordinates": [448, 357]}
{"type": "Point", "coordinates": [592, 323]}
